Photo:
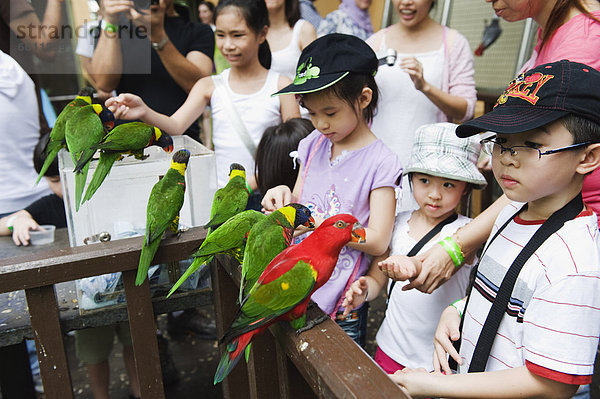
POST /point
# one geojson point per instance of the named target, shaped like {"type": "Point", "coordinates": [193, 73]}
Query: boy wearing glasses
{"type": "Point", "coordinates": [531, 322]}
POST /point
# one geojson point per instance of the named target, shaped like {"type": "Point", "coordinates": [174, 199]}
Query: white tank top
{"type": "Point", "coordinates": [257, 110]}
{"type": "Point", "coordinates": [402, 108]}
{"type": "Point", "coordinates": [285, 60]}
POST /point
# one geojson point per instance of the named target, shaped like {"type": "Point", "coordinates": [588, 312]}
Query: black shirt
{"type": "Point", "coordinates": [49, 210]}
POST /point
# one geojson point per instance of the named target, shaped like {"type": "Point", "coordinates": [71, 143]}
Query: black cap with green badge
{"type": "Point", "coordinates": [328, 60]}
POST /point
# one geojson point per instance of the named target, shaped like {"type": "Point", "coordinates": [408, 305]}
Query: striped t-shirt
{"type": "Point", "coordinates": [552, 322]}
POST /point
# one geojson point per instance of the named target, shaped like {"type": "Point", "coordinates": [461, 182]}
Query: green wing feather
{"type": "Point", "coordinates": [228, 201]}
{"type": "Point", "coordinates": [266, 240]}
{"type": "Point", "coordinates": [57, 135]}
{"type": "Point", "coordinates": [266, 302]}
{"type": "Point", "coordinates": [105, 164]}
{"type": "Point", "coordinates": [164, 204]}
{"type": "Point", "coordinates": [229, 238]}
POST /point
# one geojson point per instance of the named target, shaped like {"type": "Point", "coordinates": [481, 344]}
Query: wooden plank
{"type": "Point", "coordinates": [52, 358]}
{"type": "Point", "coordinates": [291, 383]}
{"type": "Point", "coordinates": [55, 266]}
{"type": "Point", "coordinates": [143, 337]}
{"type": "Point", "coordinates": [262, 376]}
{"type": "Point", "coordinates": [236, 385]}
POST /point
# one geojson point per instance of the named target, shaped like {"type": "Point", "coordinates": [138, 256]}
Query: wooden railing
{"type": "Point", "coordinates": [323, 362]}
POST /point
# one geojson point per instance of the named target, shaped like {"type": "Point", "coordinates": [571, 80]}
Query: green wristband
{"type": "Point", "coordinates": [459, 305]}
{"type": "Point", "coordinates": [248, 188]}
{"type": "Point", "coordinates": [108, 27]}
{"type": "Point", "coordinates": [453, 251]}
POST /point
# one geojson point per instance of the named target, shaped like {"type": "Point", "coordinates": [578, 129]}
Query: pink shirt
{"type": "Point", "coordinates": [577, 40]}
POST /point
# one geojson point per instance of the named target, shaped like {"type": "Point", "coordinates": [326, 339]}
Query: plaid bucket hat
{"type": "Point", "coordinates": [540, 96]}
{"type": "Point", "coordinates": [327, 60]}
{"type": "Point", "coordinates": [437, 151]}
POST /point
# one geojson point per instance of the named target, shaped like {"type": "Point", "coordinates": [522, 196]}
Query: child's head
{"type": "Point", "coordinates": [274, 164]}
{"type": "Point", "coordinates": [337, 68]}
{"type": "Point", "coordinates": [39, 156]}
{"type": "Point", "coordinates": [548, 129]}
{"type": "Point", "coordinates": [241, 31]}
{"type": "Point", "coordinates": [443, 168]}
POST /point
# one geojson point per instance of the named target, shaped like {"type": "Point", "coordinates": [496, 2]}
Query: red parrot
{"type": "Point", "coordinates": [283, 290]}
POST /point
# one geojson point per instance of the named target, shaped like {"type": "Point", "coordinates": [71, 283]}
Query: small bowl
{"type": "Point", "coordinates": [44, 236]}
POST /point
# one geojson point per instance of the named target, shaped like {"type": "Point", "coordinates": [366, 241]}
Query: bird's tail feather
{"type": "Point", "coordinates": [234, 351]}
{"type": "Point", "coordinates": [146, 257]}
{"type": "Point", "coordinates": [199, 261]}
{"type": "Point", "coordinates": [51, 155]}
{"type": "Point", "coordinates": [80, 179]}
{"type": "Point", "coordinates": [107, 159]}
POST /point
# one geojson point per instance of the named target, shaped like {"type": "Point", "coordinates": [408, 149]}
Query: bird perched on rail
{"type": "Point", "coordinates": [231, 199]}
{"type": "Point", "coordinates": [129, 138]}
{"type": "Point", "coordinates": [57, 135]}
{"type": "Point", "coordinates": [268, 238]}
{"type": "Point", "coordinates": [83, 130]}
{"type": "Point", "coordinates": [283, 290]}
{"type": "Point", "coordinates": [162, 211]}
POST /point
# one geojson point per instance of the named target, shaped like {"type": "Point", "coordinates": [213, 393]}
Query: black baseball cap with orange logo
{"type": "Point", "coordinates": [540, 96]}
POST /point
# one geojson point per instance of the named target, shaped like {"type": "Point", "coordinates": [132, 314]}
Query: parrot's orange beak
{"type": "Point", "coordinates": [168, 149]}
{"type": "Point", "coordinates": [358, 233]}
{"type": "Point", "coordinates": [310, 223]}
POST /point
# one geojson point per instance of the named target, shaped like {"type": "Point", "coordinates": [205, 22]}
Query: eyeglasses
{"type": "Point", "coordinates": [492, 147]}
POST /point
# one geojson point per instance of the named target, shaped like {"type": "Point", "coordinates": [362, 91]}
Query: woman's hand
{"type": "Point", "coordinates": [356, 295]}
{"type": "Point", "coordinates": [446, 333]}
{"type": "Point", "coordinates": [22, 224]}
{"type": "Point", "coordinates": [276, 198]}
{"type": "Point", "coordinates": [127, 106]}
{"type": "Point", "coordinates": [414, 68]}
{"type": "Point", "coordinates": [436, 268]}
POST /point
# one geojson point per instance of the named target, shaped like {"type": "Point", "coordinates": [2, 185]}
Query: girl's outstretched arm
{"type": "Point", "coordinates": [288, 106]}
{"type": "Point", "coordinates": [130, 106]}
{"type": "Point", "coordinates": [382, 204]}
{"type": "Point", "coordinates": [279, 196]}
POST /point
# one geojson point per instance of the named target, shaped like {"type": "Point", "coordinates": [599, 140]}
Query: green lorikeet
{"type": "Point", "coordinates": [83, 131]}
{"type": "Point", "coordinates": [229, 238]}
{"type": "Point", "coordinates": [268, 238]}
{"type": "Point", "coordinates": [231, 199]}
{"type": "Point", "coordinates": [57, 135]}
{"type": "Point", "coordinates": [162, 212]}
{"type": "Point", "coordinates": [283, 290]}
{"type": "Point", "coordinates": [129, 138]}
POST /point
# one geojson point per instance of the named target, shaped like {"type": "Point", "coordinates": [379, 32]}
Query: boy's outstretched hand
{"type": "Point", "coordinates": [127, 106]}
{"type": "Point", "coordinates": [355, 296]}
{"type": "Point", "coordinates": [447, 332]}
{"type": "Point", "coordinates": [400, 267]}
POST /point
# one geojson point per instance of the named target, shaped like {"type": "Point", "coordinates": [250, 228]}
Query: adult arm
{"type": "Point", "coordinates": [185, 69]}
{"type": "Point", "coordinates": [288, 106]}
{"type": "Point", "coordinates": [308, 34]}
{"type": "Point", "coordinates": [36, 35]}
{"type": "Point", "coordinates": [513, 383]}
{"type": "Point", "coordinates": [437, 266]}
{"type": "Point", "coordinates": [106, 66]}
{"type": "Point", "coordinates": [461, 74]}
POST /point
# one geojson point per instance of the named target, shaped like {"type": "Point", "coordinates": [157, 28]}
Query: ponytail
{"type": "Point", "coordinates": [264, 54]}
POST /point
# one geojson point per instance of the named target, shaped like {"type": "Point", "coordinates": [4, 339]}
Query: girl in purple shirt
{"type": "Point", "coordinates": [344, 167]}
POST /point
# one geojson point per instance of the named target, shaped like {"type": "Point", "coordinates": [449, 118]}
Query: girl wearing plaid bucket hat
{"type": "Point", "coordinates": [442, 170]}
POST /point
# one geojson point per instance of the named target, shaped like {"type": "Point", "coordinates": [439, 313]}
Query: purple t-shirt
{"type": "Point", "coordinates": [343, 186]}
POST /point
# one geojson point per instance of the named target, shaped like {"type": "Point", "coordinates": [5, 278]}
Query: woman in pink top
{"type": "Point", "coordinates": [568, 29]}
